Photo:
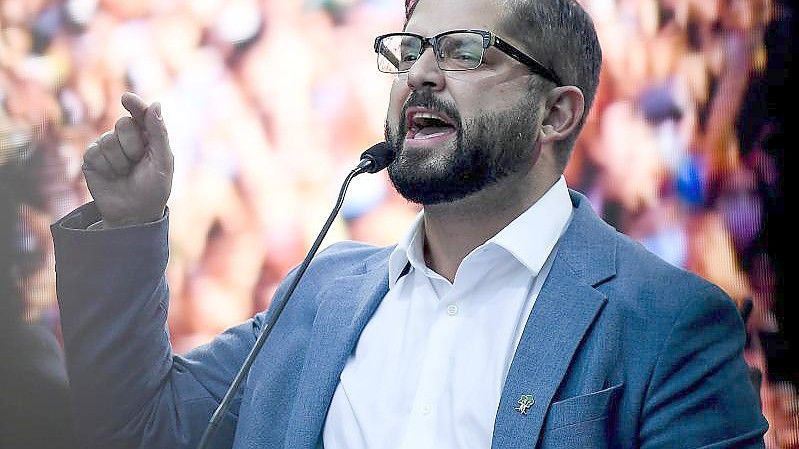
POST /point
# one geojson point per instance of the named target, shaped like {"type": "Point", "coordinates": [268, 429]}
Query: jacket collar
{"type": "Point", "coordinates": [589, 244]}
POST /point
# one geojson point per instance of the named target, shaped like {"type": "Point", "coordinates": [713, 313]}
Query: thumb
{"type": "Point", "coordinates": [157, 135]}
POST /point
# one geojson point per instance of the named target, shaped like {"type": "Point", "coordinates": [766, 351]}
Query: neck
{"type": "Point", "coordinates": [453, 230]}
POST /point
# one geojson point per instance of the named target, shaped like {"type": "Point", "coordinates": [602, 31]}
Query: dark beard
{"type": "Point", "coordinates": [488, 149]}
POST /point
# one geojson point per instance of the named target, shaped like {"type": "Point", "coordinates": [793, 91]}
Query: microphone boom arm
{"type": "Point", "coordinates": [369, 164]}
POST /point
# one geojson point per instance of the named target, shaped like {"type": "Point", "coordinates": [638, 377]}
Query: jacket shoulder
{"type": "Point", "coordinates": [638, 266]}
{"type": "Point", "coordinates": [349, 257]}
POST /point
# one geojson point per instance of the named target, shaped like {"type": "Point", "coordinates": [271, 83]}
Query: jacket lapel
{"type": "Point", "coordinates": [564, 311]}
{"type": "Point", "coordinates": [349, 303]}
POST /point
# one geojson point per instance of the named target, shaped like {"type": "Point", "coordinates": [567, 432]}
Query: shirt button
{"type": "Point", "coordinates": [426, 409]}
{"type": "Point", "coordinates": [452, 310]}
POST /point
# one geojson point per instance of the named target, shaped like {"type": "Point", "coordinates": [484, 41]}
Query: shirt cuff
{"type": "Point", "coordinates": [88, 218]}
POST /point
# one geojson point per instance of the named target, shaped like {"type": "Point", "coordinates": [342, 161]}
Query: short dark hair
{"type": "Point", "coordinates": [561, 35]}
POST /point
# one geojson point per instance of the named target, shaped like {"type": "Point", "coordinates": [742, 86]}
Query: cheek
{"type": "Point", "coordinates": [397, 97]}
{"type": "Point", "coordinates": [484, 96]}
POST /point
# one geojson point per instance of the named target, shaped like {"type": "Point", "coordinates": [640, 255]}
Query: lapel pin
{"type": "Point", "coordinates": [525, 402]}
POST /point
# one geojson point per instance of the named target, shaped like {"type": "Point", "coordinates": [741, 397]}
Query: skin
{"type": "Point", "coordinates": [454, 229]}
{"type": "Point", "coordinates": [129, 170]}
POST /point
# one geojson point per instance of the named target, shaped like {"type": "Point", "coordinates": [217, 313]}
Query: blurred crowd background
{"type": "Point", "coordinates": [269, 104]}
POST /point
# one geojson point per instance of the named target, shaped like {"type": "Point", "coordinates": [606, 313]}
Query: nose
{"type": "Point", "coordinates": [425, 72]}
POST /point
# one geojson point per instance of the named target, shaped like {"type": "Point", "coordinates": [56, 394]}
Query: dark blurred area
{"type": "Point", "coordinates": [34, 391]}
{"type": "Point", "coordinates": [765, 132]}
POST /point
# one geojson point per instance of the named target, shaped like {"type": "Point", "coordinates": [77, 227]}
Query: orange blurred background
{"type": "Point", "coordinates": [269, 104]}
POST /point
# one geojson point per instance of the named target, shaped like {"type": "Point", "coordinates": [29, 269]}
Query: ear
{"type": "Point", "coordinates": [565, 106]}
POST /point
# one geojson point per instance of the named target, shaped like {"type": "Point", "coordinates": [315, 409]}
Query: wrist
{"type": "Point", "coordinates": [132, 221]}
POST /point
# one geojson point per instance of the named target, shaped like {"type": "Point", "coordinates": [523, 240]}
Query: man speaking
{"type": "Point", "coordinates": [509, 316]}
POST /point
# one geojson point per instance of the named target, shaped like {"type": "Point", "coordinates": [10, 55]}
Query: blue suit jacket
{"type": "Point", "coordinates": [621, 349]}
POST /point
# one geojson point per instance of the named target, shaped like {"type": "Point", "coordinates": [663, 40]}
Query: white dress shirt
{"type": "Point", "coordinates": [430, 365]}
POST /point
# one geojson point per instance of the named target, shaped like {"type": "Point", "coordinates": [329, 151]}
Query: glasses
{"type": "Point", "coordinates": [455, 50]}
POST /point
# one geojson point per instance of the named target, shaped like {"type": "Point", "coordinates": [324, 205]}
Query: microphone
{"type": "Point", "coordinates": [376, 158]}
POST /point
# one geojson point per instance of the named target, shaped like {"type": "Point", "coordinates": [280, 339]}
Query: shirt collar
{"type": "Point", "coordinates": [408, 249]}
{"type": "Point", "coordinates": [529, 238]}
{"type": "Point", "coordinates": [533, 234]}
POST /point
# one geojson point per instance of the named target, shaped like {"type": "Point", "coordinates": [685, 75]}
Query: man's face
{"type": "Point", "coordinates": [456, 133]}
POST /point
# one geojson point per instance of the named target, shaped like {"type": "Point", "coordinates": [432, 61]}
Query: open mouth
{"type": "Point", "coordinates": [423, 124]}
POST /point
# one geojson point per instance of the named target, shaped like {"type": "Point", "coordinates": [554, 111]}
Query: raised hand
{"type": "Point", "coordinates": [129, 170]}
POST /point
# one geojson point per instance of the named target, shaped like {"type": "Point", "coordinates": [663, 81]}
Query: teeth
{"type": "Point", "coordinates": [422, 119]}
{"type": "Point", "coordinates": [427, 115]}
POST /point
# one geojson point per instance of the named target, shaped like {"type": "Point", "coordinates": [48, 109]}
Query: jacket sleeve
{"type": "Point", "coordinates": [700, 394]}
{"type": "Point", "coordinates": [129, 390]}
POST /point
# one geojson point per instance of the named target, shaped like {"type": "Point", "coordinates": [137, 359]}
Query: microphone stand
{"type": "Point", "coordinates": [368, 163]}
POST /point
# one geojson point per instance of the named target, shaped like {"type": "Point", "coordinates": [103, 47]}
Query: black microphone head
{"type": "Point", "coordinates": [380, 155]}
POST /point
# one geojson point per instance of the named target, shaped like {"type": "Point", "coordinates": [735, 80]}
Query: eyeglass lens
{"type": "Point", "coordinates": [455, 51]}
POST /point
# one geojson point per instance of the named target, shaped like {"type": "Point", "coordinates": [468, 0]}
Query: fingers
{"type": "Point", "coordinates": [143, 133]}
{"type": "Point", "coordinates": [136, 106]}
{"type": "Point", "coordinates": [149, 119]}
{"type": "Point", "coordinates": [94, 161]}
{"type": "Point", "coordinates": [130, 139]}
{"type": "Point", "coordinates": [158, 139]}
{"type": "Point", "coordinates": [111, 150]}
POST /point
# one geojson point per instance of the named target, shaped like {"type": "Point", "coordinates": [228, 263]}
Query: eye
{"type": "Point", "coordinates": [466, 56]}
{"type": "Point", "coordinates": [460, 51]}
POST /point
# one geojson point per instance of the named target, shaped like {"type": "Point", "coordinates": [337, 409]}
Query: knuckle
{"type": "Point", "coordinates": [109, 137]}
{"type": "Point", "coordinates": [123, 125]}
{"type": "Point", "coordinates": [109, 142]}
{"type": "Point", "coordinates": [106, 140]}
{"type": "Point", "coordinates": [93, 160]}
{"type": "Point", "coordinates": [92, 152]}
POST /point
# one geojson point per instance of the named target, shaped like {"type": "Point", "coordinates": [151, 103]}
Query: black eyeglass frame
{"type": "Point", "coordinates": [489, 39]}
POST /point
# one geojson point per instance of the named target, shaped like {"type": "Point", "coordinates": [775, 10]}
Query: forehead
{"type": "Point", "coordinates": [435, 16]}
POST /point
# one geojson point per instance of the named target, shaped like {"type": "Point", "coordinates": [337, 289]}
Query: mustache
{"type": "Point", "coordinates": [424, 99]}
